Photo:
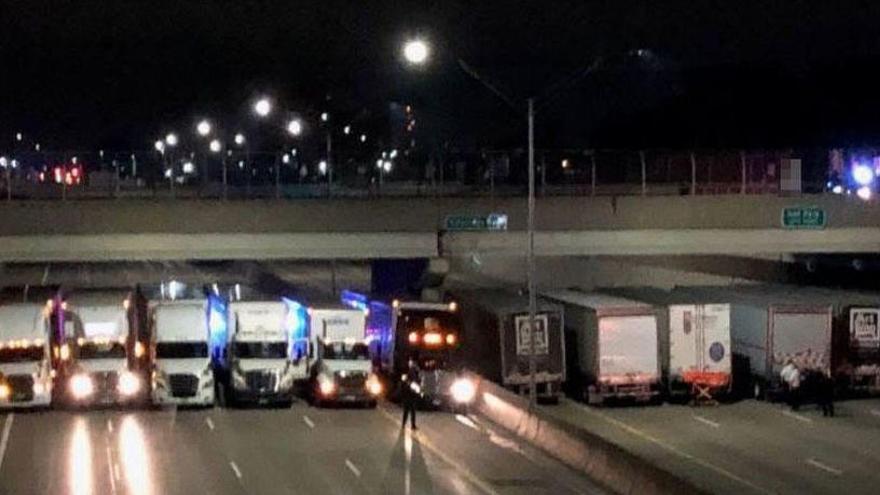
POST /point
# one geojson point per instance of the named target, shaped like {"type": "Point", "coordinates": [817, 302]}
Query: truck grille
{"type": "Point", "coordinates": [183, 385]}
{"type": "Point", "coordinates": [105, 384]}
{"type": "Point", "coordinates": [351, 379]}
{"type": "Point", "coordinates": [260, 381]}
{"type": "Point", "coordinates": [22, 387]}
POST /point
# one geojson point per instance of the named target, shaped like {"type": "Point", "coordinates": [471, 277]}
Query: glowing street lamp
{"type": "Point", "coordinates": [325, 117]}
{"type": "Point", "coordinates": [203, 128]}
{"type": "Point", "coordinates": [263, 107]}
{"type": "Point", "coordinates": [294, 127]}
{"type": "Point", "coordinates": [159, 145]}
{"type": "Point", "coordinates": [239, 139]}
{"type": "Point", "coordinates": [215, 146]}
{"type": "Point", "coordinates": [171, 139]}
{"type": "Point", "coordinates": [416, 52]}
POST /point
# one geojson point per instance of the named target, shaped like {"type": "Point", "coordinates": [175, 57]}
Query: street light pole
{"type": "Point", "coordinates": [530, 257]}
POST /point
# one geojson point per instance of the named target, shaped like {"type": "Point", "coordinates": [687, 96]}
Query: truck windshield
{"type": "Point", "coordinates": [260, 350]}
{"type": "Point", "coordinates": [181, 350]}
{"type": "Point", "coordinates": [93, 350]}
{"type": "Point", "coordinates": [340, 350]}
{"type": "Point", "coordinates": [21, 355]}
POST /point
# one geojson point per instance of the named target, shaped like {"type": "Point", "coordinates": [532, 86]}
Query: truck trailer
{"type": "Point", "coordinates": [694, 341]}
{"type": "Point", "coordinates": [495, 326]}
{"type": "Point", "coordinates": [614, 346]}
{"type": "Point", "coordinates": [769, 327]}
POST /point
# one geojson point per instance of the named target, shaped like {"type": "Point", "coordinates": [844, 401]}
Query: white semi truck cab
{"type": "Point", "coordinates": [100, 350]}
{"type": "Point", "coordinates": [265, 356]}
{"type": "Point", "coordinates": [25, 356]}
{"type": "Point", "coordinates": [182, 372]}
{"type": "Point", "coordinates": [341, 370]}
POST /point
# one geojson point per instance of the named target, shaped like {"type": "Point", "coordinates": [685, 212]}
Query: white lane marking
{"type": "Point", "coordinates": [210, 423]}
{"type": "Point", "coordinates": [707, 421]}
{"type": "Point", "coordinates": [4, 438]}
{"type": "Point", "coordinates": [308, 421]}
{"type": "Point", "coordinates": [467, 421]}
{"type": "Point", "coordinates": [824, 467]}
{"type": "Point", "coordinates": [675, 450]}
{"type": "Point", "coordinates": [799, 417]}
{"type": "Point", "coordinates": [235, 469]}
{"type": "Point", "coordinates": [45, 275]}
{"type": "Point", "coordinates": [110, 469]}
{"type": "Point", "coordinates": [351, 467]}
{"type": "Point", "coordinates": [109, 426]}
{"type": "Point", "coordinates": [430, 447]}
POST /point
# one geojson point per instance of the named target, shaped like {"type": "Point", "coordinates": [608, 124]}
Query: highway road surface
{"type": "Point", "coordinates": [301, 450]}
{"type": "Point", "coordinates": [748, 447]}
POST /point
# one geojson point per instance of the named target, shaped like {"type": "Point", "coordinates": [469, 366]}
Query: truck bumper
{"type": "Point", "coordinates": [36, 401]}
{"type": "Point", "coordinates": [257, 397]}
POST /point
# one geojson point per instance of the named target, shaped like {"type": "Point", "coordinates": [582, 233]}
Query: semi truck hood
{"type": "Point", "coordinates": [334, 365]}
{"type": "Point", "coordinates": [102, 365]}
{"type": "Point", "coordinates": [193, 366]}
{"type": "Point", "coordinates": [262, 364]}
{"type": "Point", "coordinates": [20, 368]}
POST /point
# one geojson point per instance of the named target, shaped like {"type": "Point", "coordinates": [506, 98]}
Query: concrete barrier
{"type": "Point", "coordinates": [616, 469]}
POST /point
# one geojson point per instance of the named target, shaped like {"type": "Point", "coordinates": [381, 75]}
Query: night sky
{"type": "Point", "coordinates": [117, 73]}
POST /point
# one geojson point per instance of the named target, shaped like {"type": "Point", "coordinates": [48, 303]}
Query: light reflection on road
{"type": "Point", "coordinates": [80, 460]}
{"type": "Point", "coordinates": [134, 457]}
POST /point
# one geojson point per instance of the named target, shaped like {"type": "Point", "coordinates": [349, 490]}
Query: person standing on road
{"type": "Point", "coordinates": [410, 393]}
{"type": "Point", "coordinates": [791, 377]}
{"type": "Point", "coordinates": [825, 394]}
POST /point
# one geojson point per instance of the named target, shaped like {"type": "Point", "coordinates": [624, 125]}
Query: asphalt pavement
{"type": "Point", "coordinates": [301, 450]}
{"type": "Point", "coordinates": [748, 447]}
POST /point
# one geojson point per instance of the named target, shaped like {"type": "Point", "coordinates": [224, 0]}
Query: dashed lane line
{"type": "Point", "coordinates": [794, 415]}
{"type": "Point", "coordinates": [707, 421]}
{"type": "Point", "coordinates": [308, 421]}
{"type": "Point", "coordinates": [351, 467]}
{"type": "Point", "coordinates": [4, 437]}
{"type": "Point", "coordinates": [210, 423]}
{"type": "Point", "coordinates": [824, 467]}
{"type": "Point", "coordinates": [235, 469]}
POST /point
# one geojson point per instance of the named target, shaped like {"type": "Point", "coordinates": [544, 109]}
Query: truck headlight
{"type": "Point", "coordinates": [129, 384]}
{"type": "Point", "coordinates": [5, 391]}
{"type": "Point", "coordinates": [139, 349]}
{"type": "Point", "coordinates": [39, 388]}
{"type": "Point", "coordinates": [81, 386]}
{"type": "Point", "coordinates": [374, 386]}
{"type": "Point", "coordinates": [327, 386]}
{"type": "Point", "coordinates": [463, 390]}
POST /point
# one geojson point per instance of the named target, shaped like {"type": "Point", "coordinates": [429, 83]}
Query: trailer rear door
{"type": "Point", "coordinates": [714, 322]}
{"type": "Point", "coordinates": [628, 346]}
{"type": "Point", "coordinates": [802, 334]}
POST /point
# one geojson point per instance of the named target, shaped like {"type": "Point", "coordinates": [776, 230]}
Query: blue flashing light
{"type": "Point", "coordinates": [863, 175]}
{"type": "Point", "coordinates": [296, 324]}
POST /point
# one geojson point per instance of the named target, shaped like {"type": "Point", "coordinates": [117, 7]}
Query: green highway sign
{"type": "Point", "coordinates": [476, 223]}
{"type": "Point", "coordinates": [803, 217]}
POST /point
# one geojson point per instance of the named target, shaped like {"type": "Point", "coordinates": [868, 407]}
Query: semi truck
{"type": "Point", "coordinates": [694, 341]}
{"type": "Point", "coordinates": [182, 372]}
{"type": "Point", "coordinates": [427, 332]}
{"type": "Point", "coordinates": [495, 325]}
{"type": "Point", "coordinates": [101, 357]}
{"type": "Point", "coordinates": [25, 355]}
{"type": "Point", "coordinates": [613, 344]}
{"type": "Point", "coordinates": [260, 351]}
{"type": "Point", "coordinates": [340, 367]}
{"type": "Point", "coordinates": [769, 327]}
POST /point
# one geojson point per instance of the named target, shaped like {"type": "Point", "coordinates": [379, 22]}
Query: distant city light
{"type": "Point", "coordinates": [19, 136]}
{"type": "Point", "coordinates": [241, 164]}
{"type": "Point", "coordinates": [393, 154]}
{"type": "Point", "coordinates": [294, 127]}
{"type": "Point", "coordinates": [838, 189]}
{"type": "Point", "coordinates": [379, 163]}
{"type": "Point", "coordinates": [346, 130]}
{"type": "Point", "coordinates": [863, 175]}
{"type": "Point", "coordinates": [864, 193]}
{"type": "Point", "coordinates": [171, 139]}
{"type": "Point", "coordinates": [167, 173]}
{"type": "Point", "coordinates": [325, 117]}
{"type": "Point", "coordinates": [263, 107]}
{"type": "Point", "coordinates": [285, 159]}
{"type": "Point", "coordinates": [188, 167]}
{"type": "Point", "coordinates": [215, 145]}
{"type": "Point", "coordinates": [159, 145]}
{"type": "Point", "coordinates": [239, 139]}
{"type": "Point", "coordinates": [565, 163]}
{"type": "Point", "coordinates": [363, 138]}
{"type": "Point", "coordinates": [203, 128]}
{"type": "Point", "coordinates": [416, 52]}
{"type": "Point", "coordinates": [322, 167]}
{"type": "Point", "coordinates": [387, 166]}
{"type": "Point", "coordinates": [73, 160]}
{"type": "Point", "coordinates": [14, 163]}
{"type": "Point", "coordinates": [37, 147]}
{"type": "Point", "coordinates": [4, 162]}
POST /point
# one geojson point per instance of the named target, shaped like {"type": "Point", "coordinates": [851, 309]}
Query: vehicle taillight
{"type": "Point", "coordinates": [451, 339]}
{"type": "Point", "coordinates": [413, 338]}
{"type": "Point", "coordinates": [433, 338]}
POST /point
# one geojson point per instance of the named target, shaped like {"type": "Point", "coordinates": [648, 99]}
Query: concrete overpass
{"type": "Point", "coordinates": [414, 227]}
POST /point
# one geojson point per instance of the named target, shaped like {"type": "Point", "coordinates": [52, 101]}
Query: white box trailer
{"type": "Point", "coordinates": [182, 372]}
{"type": "Point", "coordinates": [769, 326]}
{"type": "Point", "coordinates": [694, 340]}
{"type": "Point", "coordinates": [615, 343]}
{"type": "Point", "coordinates": [25, 355]}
